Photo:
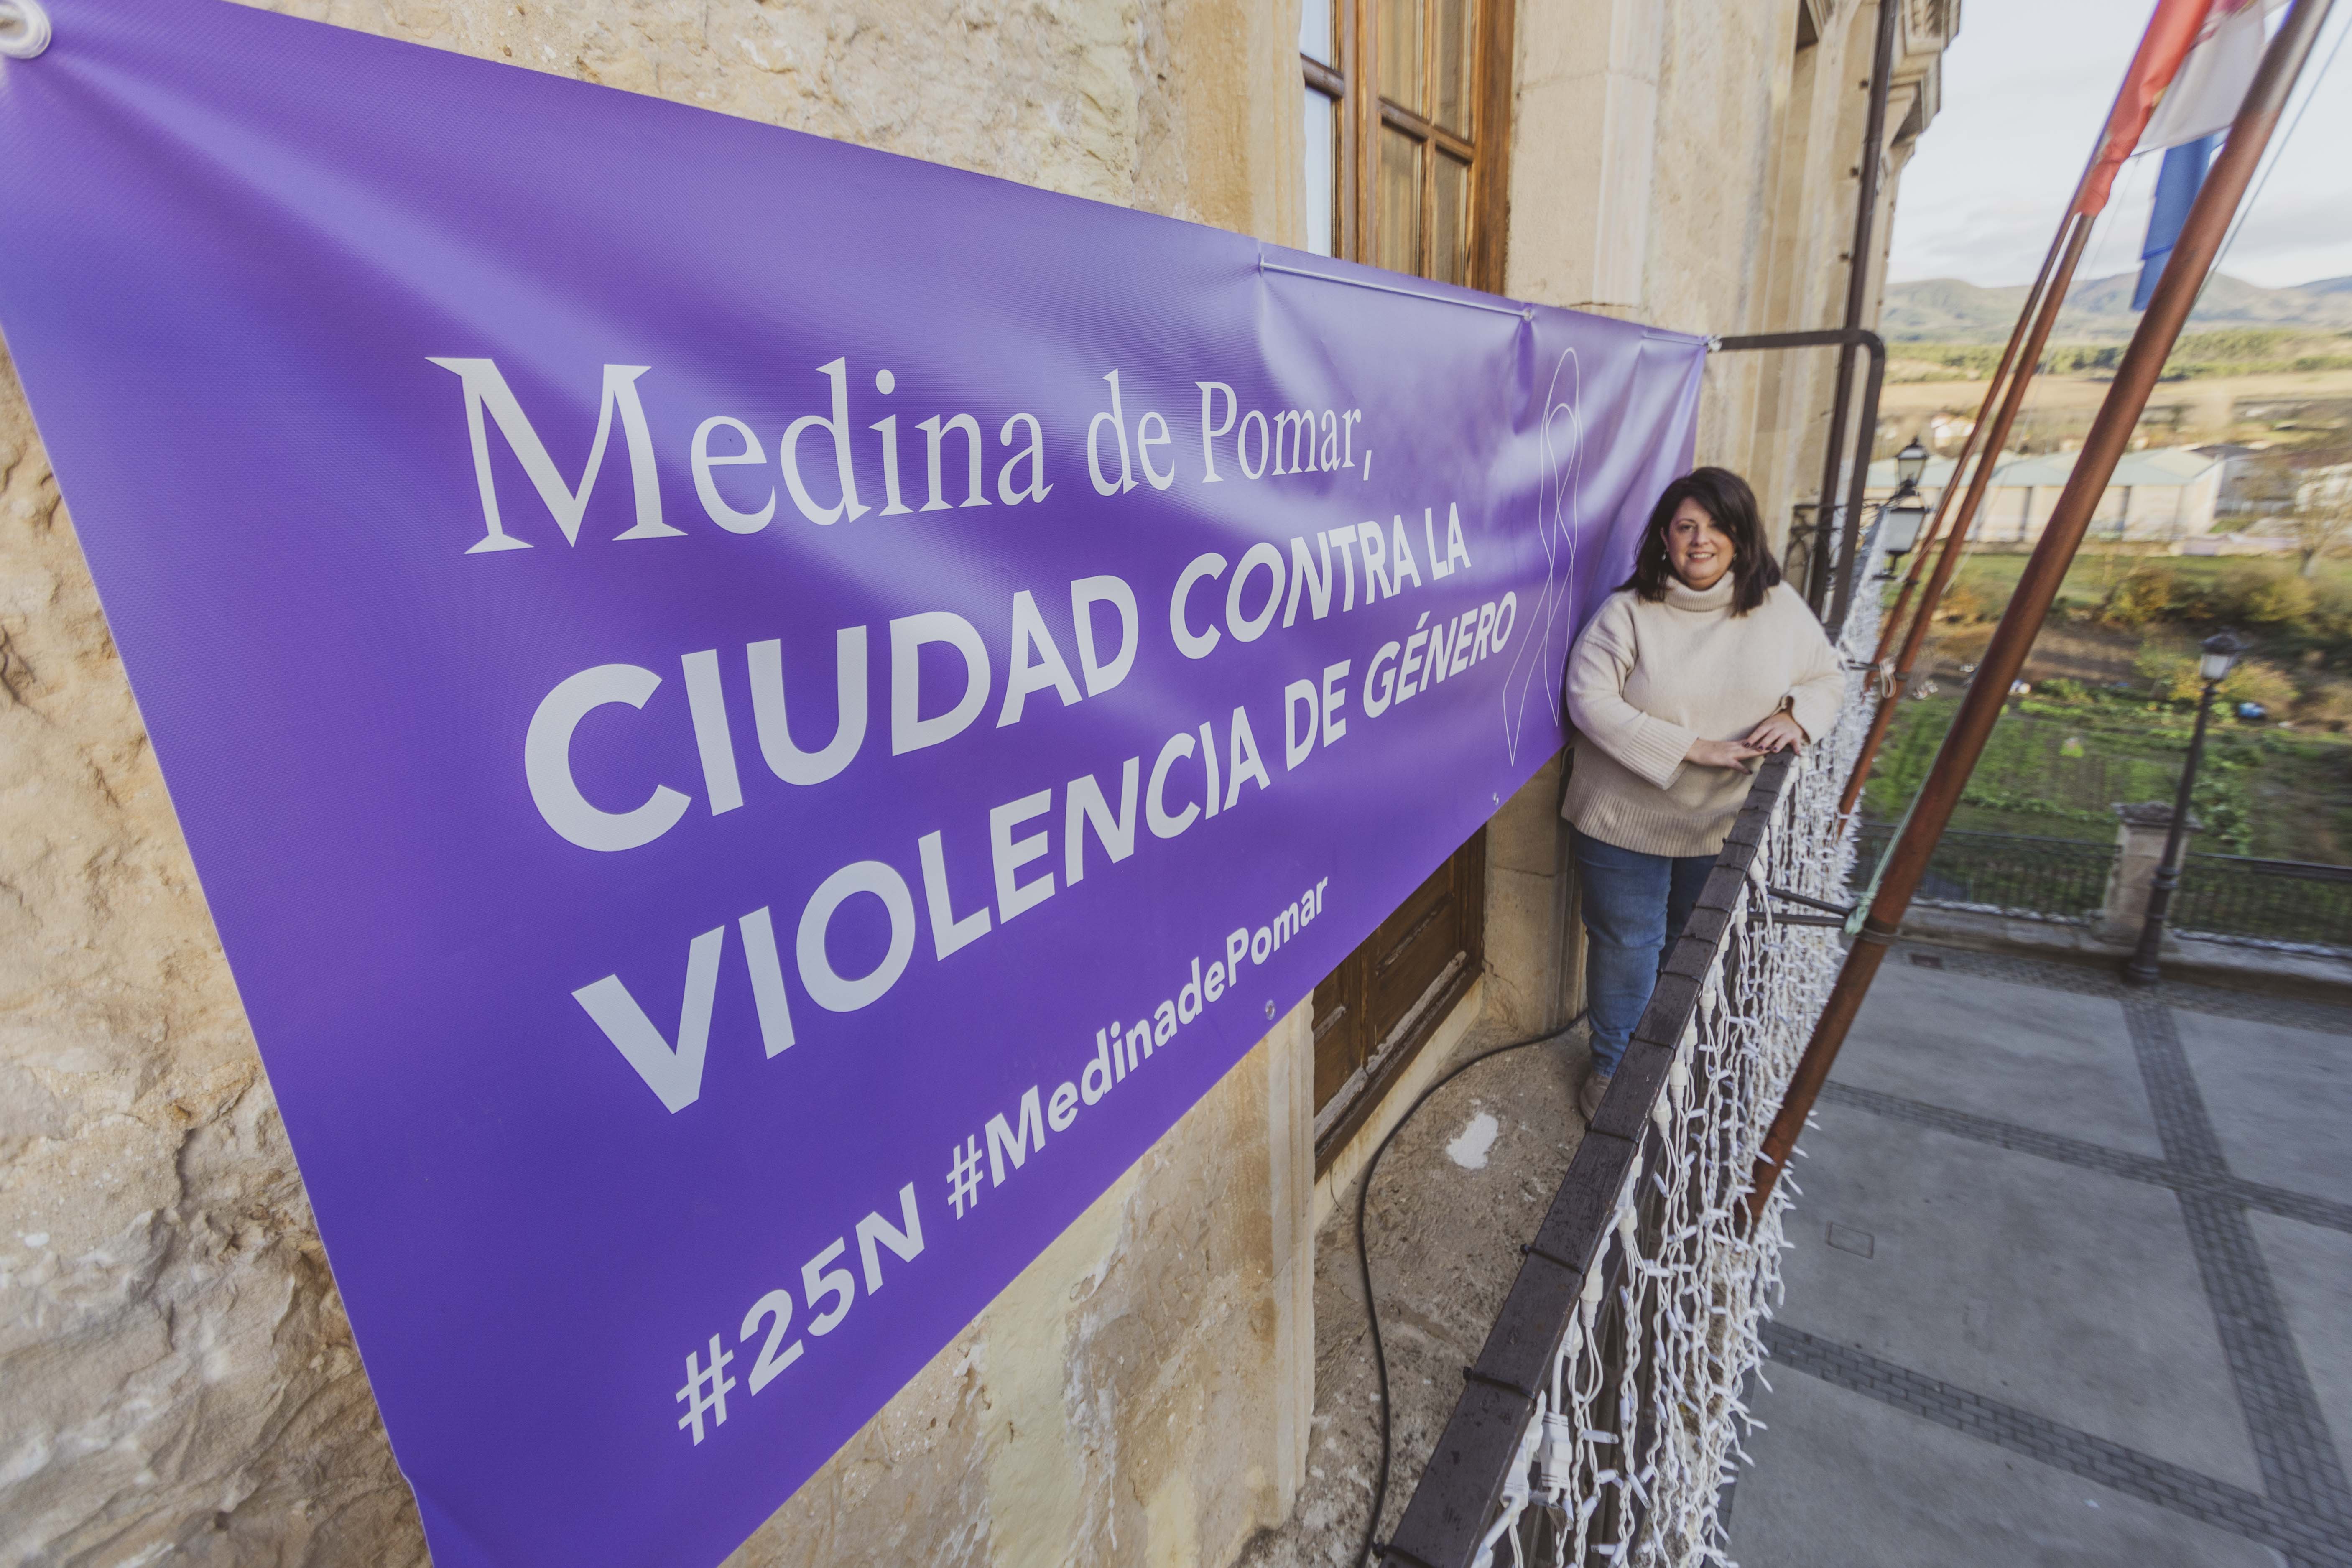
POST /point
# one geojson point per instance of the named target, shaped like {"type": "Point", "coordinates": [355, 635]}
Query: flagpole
{"type": "Point", "coordinates": [2172, 29]}
{"type": "Point", "coordinates": [2176, 294]}
{"type": "Point", "coordinates": [1969, 448]}
{"type": "Point", "coordinates": [2073, 234]}
{"type": "Point", "coordinates": [2057, 271]}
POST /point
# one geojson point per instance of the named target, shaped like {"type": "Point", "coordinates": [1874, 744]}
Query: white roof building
{"type": "Point", "coordinates": [2161, 494]}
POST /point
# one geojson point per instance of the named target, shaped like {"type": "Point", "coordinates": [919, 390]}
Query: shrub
{"type": "Point", "coordinates": [2280, 599]}
{"type": "Point", "coordinates": [2062, 690]}
{"type": "Point", "coordinates": [2225, 597]}
{"type": "Point", "coordinates": [2171, 673]}
{"type": "Point", "coordinates": [2143, 594]}
{"type": "Point", "coordinates": [2327, 703]}
{"type": "Point", "coordinates": [2254, 681]}
{"type": "Point", "coordinates": [2331, 612]}
{"type": "Point", "coordinates": [1961, 604]}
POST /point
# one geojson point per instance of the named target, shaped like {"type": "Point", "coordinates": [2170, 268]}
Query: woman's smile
{"type": "Point", "coordinates": [1697, 546]}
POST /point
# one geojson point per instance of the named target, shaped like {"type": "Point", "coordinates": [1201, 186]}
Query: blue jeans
{"type": "Point", "coordinates": [1634, 904]}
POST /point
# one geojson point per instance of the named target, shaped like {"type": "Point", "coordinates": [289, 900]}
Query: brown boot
{"type": "Point", "coordinates": [1588, 1098]}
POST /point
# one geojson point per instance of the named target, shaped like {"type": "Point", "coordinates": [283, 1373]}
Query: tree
{"type": "Point", "coordinates": [2323, 511]}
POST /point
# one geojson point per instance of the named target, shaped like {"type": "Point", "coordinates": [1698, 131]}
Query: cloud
{"type": "Point", "coordinates": [1990, 242]}
{"type": "Point", "coordinates": [2027, 85]}
{"type": "Point", "coordinates": [2309, 218]}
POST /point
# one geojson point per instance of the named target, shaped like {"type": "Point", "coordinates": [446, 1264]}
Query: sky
{"type": "Point", "coordinates": [2027, 84]}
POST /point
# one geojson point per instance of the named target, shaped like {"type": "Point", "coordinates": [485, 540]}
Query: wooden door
{"type": "Point", "coordinates": [1374, 1013]}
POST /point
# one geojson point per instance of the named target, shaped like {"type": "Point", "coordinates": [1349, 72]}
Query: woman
{"type": "Point", "coordinates": [1701, 663]}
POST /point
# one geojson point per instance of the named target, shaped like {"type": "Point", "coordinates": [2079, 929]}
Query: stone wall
{"type": "Point", "coordinates": [1687, 163]}
{"type": "Point", "coordinates": [177, 1378]}
{"type": "Point", "coordinates": [180, 1379]}
{"type": "Point", "coordinates": [175, 1368]}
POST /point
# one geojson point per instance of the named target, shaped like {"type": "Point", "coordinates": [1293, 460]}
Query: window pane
{"type": "Point", "coordinates": [1403, 48]}
{"type": "Point", "coordinates": [1454, 58]}
{"type": "Point", "coordinates": [1315, 30]}
{"type": "Point", "coordinates": [1322, 125]}
{"type": "Point", "coordinates": [1449, 226]}
{"type": "Point", "coordinates": [1399, 245]}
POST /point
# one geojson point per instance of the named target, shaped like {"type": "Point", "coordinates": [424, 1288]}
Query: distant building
{"type": "Point", "coordinates": [1949, 430]}
{"type": "Point", "coordinates": [2160, 495]}
{"type": "Point", "coordinates": [2250, 487]}
{"type": "Point", "coordinates": [2324, 489]}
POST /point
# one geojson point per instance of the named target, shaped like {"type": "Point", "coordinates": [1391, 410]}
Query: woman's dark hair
{"type": "Point", "coordinates": [1725, 497]}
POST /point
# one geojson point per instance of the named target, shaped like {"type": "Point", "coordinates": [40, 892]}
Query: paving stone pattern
{"type": "Point", "coordinates": [2093, 1458]}
{"type": "Point", "coordinates": [2303, 1511]}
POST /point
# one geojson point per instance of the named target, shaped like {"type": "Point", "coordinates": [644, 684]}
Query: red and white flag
{"type": "Point", "coordinates": [2213, 81]}
{"type": "Point", "coordinates": [2173, 30]}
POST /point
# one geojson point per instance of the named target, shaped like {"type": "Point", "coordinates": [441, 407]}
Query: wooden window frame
{"type": "Point", "coordinates": [1375, 1012]}
{"type": "Point", "coordinates": [1353, 81]}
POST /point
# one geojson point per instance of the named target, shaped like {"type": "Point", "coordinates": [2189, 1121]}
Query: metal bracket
{"type": "Point", "coordinates": [1529, 1249]}
{"type": "Point", "coordinates": [24, 28]}
{"type": "Point", "coordinates": [1833, 517]}
{"type": "Point", "coordinates": [1837, 915]}
{"type": "Point", "coordinates": [1472, 1374]}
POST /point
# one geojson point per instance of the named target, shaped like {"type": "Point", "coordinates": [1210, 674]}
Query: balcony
{"type": "Point", "coordinates": [2062, 1276]}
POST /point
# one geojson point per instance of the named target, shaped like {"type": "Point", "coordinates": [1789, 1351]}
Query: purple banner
{"type": "Point", "coordinates": [758, 718]}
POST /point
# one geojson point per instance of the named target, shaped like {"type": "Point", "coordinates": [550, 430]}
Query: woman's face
{"type": "Point", "coordinates": [1696, 548]}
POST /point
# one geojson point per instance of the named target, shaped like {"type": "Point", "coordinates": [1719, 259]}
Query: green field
{"type": "Point", "coordinates": [1987, 579]}
{"type": "Point", "coordinates": [2057, 769]}
{"type": "Point", "coordinates": [2107, 723]}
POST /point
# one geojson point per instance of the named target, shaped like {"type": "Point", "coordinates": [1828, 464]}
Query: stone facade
{"type": "Point", "coordinates": [180, 1381]}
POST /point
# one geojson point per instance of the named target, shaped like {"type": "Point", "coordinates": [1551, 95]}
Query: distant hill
{"type": "Point", "coordinates": [1946, 310]}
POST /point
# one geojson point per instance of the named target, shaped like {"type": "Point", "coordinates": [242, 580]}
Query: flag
{"type": "Point", "coordinates": [2213, 81]}
{"type": "Point", "coordinates": [2173, 30]}
{"type": "Point", "coordinates": [2175, 190]}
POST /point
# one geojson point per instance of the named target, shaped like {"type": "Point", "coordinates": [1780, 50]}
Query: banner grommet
{"type": "Point", "coordinates": [24, 28]}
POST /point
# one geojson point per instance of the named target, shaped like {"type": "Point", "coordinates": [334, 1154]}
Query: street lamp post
{"type": "Point", "coordinates": [1903, 513]}
{"type": "Point", "coordinates": [2221, 651]}
{"type": "Point", "coordinates": [1900, 521]}
{"type": "Point", "coordinates": [1910, 464]}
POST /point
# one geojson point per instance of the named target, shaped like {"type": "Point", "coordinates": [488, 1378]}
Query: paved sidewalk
{"type": "Point", "coordinates": [2071, 1282]}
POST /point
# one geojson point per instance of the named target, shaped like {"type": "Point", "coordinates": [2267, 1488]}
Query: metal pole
{"type": "Point", "coordinates": [1851, 338]}
{"type": "Point", "coordinates": [1841, 597]}
{"type": "Point", "coordinates": [2144, 968]}
{"type": "Point", "coordinates": [1857, 289]}
{"type": "Point", "coordinates": [1969, 450]}
{"type": "Point", "coordinates": [2074, 234]}
{"type": "Point", "coordinates": [2172, 28]}
{"type": "Point", "coordinates": [2160, 328]}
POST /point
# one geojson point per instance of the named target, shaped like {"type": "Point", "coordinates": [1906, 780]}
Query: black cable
{"type": "Point", "coordinates": [1364, 1265]}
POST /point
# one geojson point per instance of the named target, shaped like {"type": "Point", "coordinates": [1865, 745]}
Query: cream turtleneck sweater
{"type": "Point", "coordinates": [1647, 678]}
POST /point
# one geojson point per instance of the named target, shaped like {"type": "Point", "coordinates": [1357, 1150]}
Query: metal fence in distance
{"type": "Point", "coordinates": [2045, 878]}
{"type": "Point", "coordinates": [2294, 902]}
{"type": "Point", "coordinates": [2289, 903]}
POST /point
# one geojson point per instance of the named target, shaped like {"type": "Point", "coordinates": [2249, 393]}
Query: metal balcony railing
{"type": "Point", "coordinates": [1604, 1413]}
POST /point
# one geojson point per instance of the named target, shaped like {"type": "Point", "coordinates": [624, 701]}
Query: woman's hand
{"type": "Point", "coordinates": [1723, 754]}
{"type": "Point", "coordinates": [1780, 733]}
